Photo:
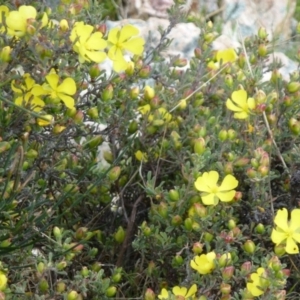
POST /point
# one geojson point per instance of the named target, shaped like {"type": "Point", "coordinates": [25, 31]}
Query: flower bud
{"type": "Point", "coordinates": [225, 260]}
{"type": "Point", "coordinates": [262, 33]}
{"type": "Point", "coordinates": [293, 87]}
{"type": "Point", "coordinates": [173, 195]}
{"type": "Point", "coordinates": [130, 68]}
{"type": "Point", "coordinates": [149, 295]}
{"type": "Point", "coordinates": [251, 173]}
{"type": "Point", "coordinates": [111, 291]}
{"type": "Point", "coordinates": [208, 237]}
{"type": "Point", "coordinates": [262, 50]}
{"type": "Point", "coordinates": [223, 135]}
{"type": "Point", "coordinates": [231, 224]}
{"type": "Point", "coordinates": [149, 92]}
{"type": "Point", "coordinates": [60, 287]}
{"type": "Point", "coordinates": [102, 28]}
{"type": "Point", "coordinates": [5, 54]}
{"type": "Point", "coordinates": [43, 285]}
{"type": "Point", "coordinates": [176, 220]}
{"type": "Point", "coordinates": [163, 210]}
{"type": "Point", "coordinates": [188, 224]}
{"type": "Point", "coordinates": [294, 126]}
{"type": "Point", "coordinates": [63, 25]}
{"type": "Point", "coordinates": [114, 173]}
{"type": "Point", "coordinates": [40, 267]}
{"type": "Point", "coordinates": [249, 247]}
{"type": "Point", "coordinates": [227, 272]}
{"type": "Point", "coordinates": [57, 233]}
{"type": "Point", "coordinates": [145, 72]}
{"type": "Point", "coordinates": [225, 288]}
{"type": "Point", "coordinates": [73, 295]}
{"type": "Point", "coordinates": [134, 92]}
{"type": "Point", "coordinates": [78, 117]}
{"type": "Point", "coordinates": [61, 265]}
{"type": "Point", "coordinates": [198, 53]}
{"type": "Point", "coordinates": [199, 146]}
{"type": "Point", "coordinates": [197, 248]}
{"type": "Point", "coordinates": [279, 250]}
{"type": "Point", "coordinates": [120, 235]}
{"type": "Point", "coordinates": [107, 93]}
{"type": "Point", "coordinates": [228, 80]}
{"type": "Point", "coordinates": [246, 268]}
{"type": "Point", "coordinates": [260, 228]}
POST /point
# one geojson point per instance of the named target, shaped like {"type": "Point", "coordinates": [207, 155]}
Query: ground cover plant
{"type": "Point", "coordinates": [149, 182]}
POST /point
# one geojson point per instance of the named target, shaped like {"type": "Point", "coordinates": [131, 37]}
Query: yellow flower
{"type": "Point", "coordinates": [181, 293]}
{"type": "Point", "coordinates": [259, 283]}
{"type": "Point", "coordinates": [212, 192]}
{"type": "Point", "coordinates": [29, 93]}
{"type": "Point", "coordinates": [64, 91]}
{"type": "Point", "coordinates": [224, 56]}
{"type": "Point", "coordinates": [87, 44]}
{"type": "Point", "coordinates": [287, 231]}
{"type": "Point", "coordinates": [3, 281]}
{"type": "Point", "coordinates": [204, 263]}
{"type": "Point", "coordinates": [18, 21]}
{"type": "Point", "coordinates": [141, 156]}
{"type": "Point", "coordinates": [122, 40]}
{"type": "Point", "coordinates": [3, 11]}
{"type": "Point", "coordinates": [240, 104]}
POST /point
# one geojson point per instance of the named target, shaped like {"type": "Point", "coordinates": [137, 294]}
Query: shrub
{"type": "Point", "coordinates": [151, 181]}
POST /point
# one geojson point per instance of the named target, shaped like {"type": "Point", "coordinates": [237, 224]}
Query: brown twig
{"type": "Point", "coordinates": [129, 232]}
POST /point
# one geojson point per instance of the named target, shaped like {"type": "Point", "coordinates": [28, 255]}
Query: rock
{"type": "Point", "coordinates": [244, 17]}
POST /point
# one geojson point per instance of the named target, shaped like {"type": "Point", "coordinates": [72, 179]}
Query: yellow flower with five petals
{"type": "Point", "coordinates": [180, 293]}
{"type": "Point", "coordinates": [259, 283]}
{"type": "Point", "coordinates": [212, 192]}
{"type": "Point", "coordinates": [62, 91]}
{"type": "Point", "coordinates": [87, 44]}
{"type": "Point", "coordinates": [287, 231]}
{"type": "Point", "coordinates": [28, 93]}
{"type": "Point", "coordinates": [204, 263]}
{"type": "Point", "coordinates": [121, 40]}
{"type": "Point", "coordinates": [240, 104]}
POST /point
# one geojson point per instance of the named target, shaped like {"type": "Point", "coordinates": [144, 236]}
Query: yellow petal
{"type": "Point", "coordinates": [127, 32]}
{"type": "Point", "coordinates": [291, 247]}
{"type": "Point", "coordinates": [281, 219]}
{"type": "Point", "coordinates": [240, 98]}
{"type": "Point", "coordinates": [226, 196]}
{"type": "Point", "coordinates": [68, 86]}
{"type": "Point", "coordinates": [164, 295]}
{"type": "Point", "coordinates": [192, 291]}
{"type": "Point", "coordinates": [251, 103]}
{"type": "Point", "coordinates": [119, 65]}
{"type": "Point", "coordinates": [231, 106]}
{"type": "Point", "coordinates": [96, 42]}
{"type": "Point", "coordinates": [228, 183]}
{"type": "Point", "coordinates": [241, 115]}
{"type": "Point", "coordinates": [201, 185]}
{"type": "Point", "coordinates": [135, 45]}
{"type": "Point", "coordinates": [113, 35]}
{"type": "Point", "coordinates": [68, 101]}
{"type": "Point", "coordinates": [210, 199]}
{"type": "Point", "coordinates": [295, 220]}
{"type": "Point", "coordinates": [27, 11]}
{"type": "Point", "coordinates": [278, 237]}
{"type": "Point", "coordinates": [179, 291]}
{"type": "Point", "coordinates": [96, 56]}
{"type": "Point", "coordinates": [52, 80]}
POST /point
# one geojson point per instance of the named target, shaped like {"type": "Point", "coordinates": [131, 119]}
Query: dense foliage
{"type": "Point", "coordinates": [151, 178]}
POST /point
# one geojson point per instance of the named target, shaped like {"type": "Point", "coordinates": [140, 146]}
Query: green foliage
{"type": "Point", "coordinates": [157, 180]}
